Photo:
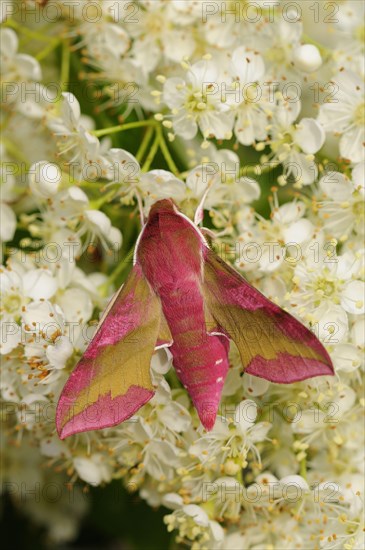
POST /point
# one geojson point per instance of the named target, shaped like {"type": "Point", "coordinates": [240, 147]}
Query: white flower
{"type": "Point", "coordinates": [278, 42]}
{"type": "Point", "coordinates": [39, 284]}
{"type": "Point", "coordinates": [294, 144]}
{"type": "Point", "coordinates": [7, 222]}
{"type": "Point", "coordinates": [343, 204]}
{"type": "Point", "coordinates": [347, 358]}
{"type": "Point", "coordinates": [283, 466]}
{"type": "Point", "coordinates": [296, 482]}
{"type": "Point", "coordinates": [53, 447]}
{"type": "Point", "coordinates": [124, 169]}
{"type": "Point", "coordinates": [44, 179]}
{"type": "Point", "coordinates": [18, 289]}
{"type": "Point", "coordinates": [222, 36]}
{"type": "Point", "coordinates": [309, 136]}
{"type": "Point", "coordinates": [358, 331]}
{"type": "Point", "coordinates": [195, 103]}
{"type": "Point", "coordinates": [227, 497]}
{"type": "Point", "coordinates": [248, 96]}
{"type": "Point", "coordinates": [255, 386]}
{"type": "Point", "coordinates": [194, 524]}
{"type": "Point", "coordinates": [17, 70]}
{"type": "Point", "coordinates": [348, 32]}
{"type": "Point", "coordinates": [332, 409]}
{"type": "Point", "coordinates": [138, 441]}
{"type": "Point", "coordinates": [81, 147]}
{"type": "Point", "coordinates": [345, 115]}
{"type": "Point", "coordinates": [352, 489]}
{"type": "Point", "coordinates": [160, 184]}
{"type": "Point", "coordinates": [161, 361]}
{"type": "Point", "coordinates": [329, 323]}
{"type": "Point", "coordinates": [76, 304]}
{"type": "Point", "coordinates": [284, 237]}
{"type": "Point", "coordinates": [307, 58]}
{"type": "Point", "coordinates": [70, 216]}
{"type": "Point", "coordinates": [43, 323]}
{"type": "Point", "coordinates": [232, 438]}
{"type": "Point", "coordinates": [104, 36]}
{"type": "Point", "coordinates": [94, 470]}
{"type": "Point", "coordinates": [7, 178]}
{"type": "Point", "coordinates": [169, 413]}
{"type": "Point", "coordinates": [59, 352]}
{"type": "Point", "coordinates": [334, 280]}
{"type": "Point", "coordinates": [159, 34]}
{"type": "Point", "coordinates": [172, 501]}
{"type": "Point", "coordinates": [220, 174]}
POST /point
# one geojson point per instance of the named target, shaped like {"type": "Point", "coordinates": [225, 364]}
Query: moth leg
{"type": "Point", "coordinates": [213, 234]}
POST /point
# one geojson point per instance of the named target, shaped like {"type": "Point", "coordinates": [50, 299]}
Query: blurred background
{"type": "Point", "coordinates": [116, 521]}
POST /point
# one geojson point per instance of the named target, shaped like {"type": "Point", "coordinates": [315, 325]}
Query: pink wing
{"type": "Point", "coordinates": [112, 380]}
{"type": "Point", "coordinates": [272, 344]}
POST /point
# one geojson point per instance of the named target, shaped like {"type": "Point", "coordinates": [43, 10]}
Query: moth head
{"type": "Point", "coordinates": [162, 206]}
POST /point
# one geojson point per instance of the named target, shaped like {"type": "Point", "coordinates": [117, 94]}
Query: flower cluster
{"type": "Point", "coordinates": [255, 111]}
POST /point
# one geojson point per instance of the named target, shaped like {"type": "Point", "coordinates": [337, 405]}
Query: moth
{"type": "Point", "coordinates": [181, 295]}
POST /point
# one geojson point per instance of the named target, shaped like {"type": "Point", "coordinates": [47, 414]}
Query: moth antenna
{"type": "Point", "coordinates": [198, 217]}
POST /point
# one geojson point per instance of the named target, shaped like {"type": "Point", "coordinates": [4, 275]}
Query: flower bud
{"type": "Point", "coordinates": [44, 179]}
{"type": "Point", "coordinates": [307, 58]}
{"type": "Point", "coordinates": [231, 468]}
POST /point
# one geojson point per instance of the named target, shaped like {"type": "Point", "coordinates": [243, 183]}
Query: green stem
{"type": "Point", "coordinates": [239, 477]}
{"type": "Point", "coordinates": [184, 175]}
{"type": "Point", "coordinates": [86, 185]}
{"type": "Point", "coordinates": [19, 190]}
{"type": "Point", "coordinates": [47, 50]}
{"type": "Point", "coordinates": [104, 288]}
{"type": "Point", "coordinates": [65, 65]}
{"type": "Point", "coordinates": [6, 120]}
{"type": "Point", "coordinates": [166, 153]}
{"type": "Point", "coordinates": [29, 33]}
{"type": "Point", "coordinates": [108, 197]}
{"type": "Point", "coordinates": [144, 144]}
{"type": "Point", "coordinates": [123, 127]}
{"type": "Point", "coordinates": [67, 180]}
{"type": "Point", "coordinates": [178, 147]}
{"type": "Point", "coordinates": [303, 468]}
{"type": "Point", "coordinates": [151, 154]}
{"type": "Point", "coordinates": [257, 170]}
{"type": "Point", "coordinates": [15, 152]}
